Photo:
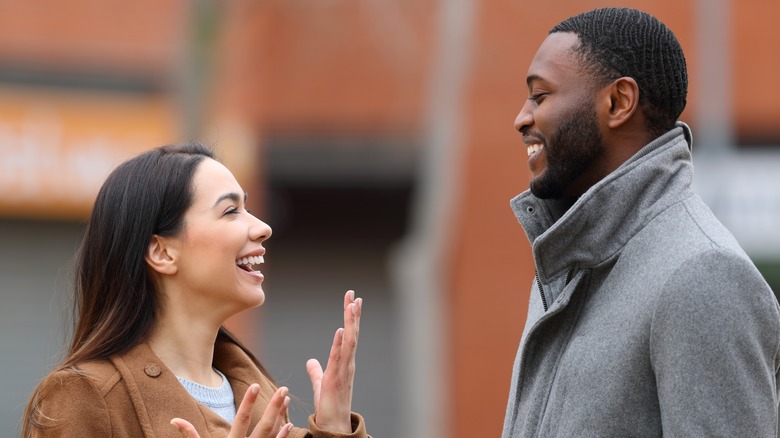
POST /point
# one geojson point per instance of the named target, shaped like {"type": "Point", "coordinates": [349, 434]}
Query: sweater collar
{"type": "Point", "coordinates": [596, 226]}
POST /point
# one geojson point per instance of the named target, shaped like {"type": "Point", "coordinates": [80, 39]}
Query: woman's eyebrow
{"type": "Point", "coordinates": [235, 197]}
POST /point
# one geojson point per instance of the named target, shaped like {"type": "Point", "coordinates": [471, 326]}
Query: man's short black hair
{"type": "Point", "coordinates": [618, 42]}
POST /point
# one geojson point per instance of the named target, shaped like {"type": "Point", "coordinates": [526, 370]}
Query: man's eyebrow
{"type": "Point", "coordinates": [532, 78]}
{"type": "Point", "coordinates": [235, 197]}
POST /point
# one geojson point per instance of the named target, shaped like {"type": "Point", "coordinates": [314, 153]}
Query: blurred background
{"type": "Point", "coordinates": [375, 137]}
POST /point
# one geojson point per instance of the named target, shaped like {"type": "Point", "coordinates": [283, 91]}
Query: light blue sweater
{"type": "Point", "coordinates": [220, 400]}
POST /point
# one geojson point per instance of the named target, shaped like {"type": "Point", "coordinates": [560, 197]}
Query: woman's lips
{"type": "Point", "coordinates": [257, 275]}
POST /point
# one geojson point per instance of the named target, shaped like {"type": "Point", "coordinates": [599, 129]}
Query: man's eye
{"type": "Point", "coordinates": [537, 97]}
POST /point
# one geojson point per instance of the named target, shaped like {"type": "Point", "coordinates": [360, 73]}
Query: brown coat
{"type": "Point", "coordinates": [135, 395]}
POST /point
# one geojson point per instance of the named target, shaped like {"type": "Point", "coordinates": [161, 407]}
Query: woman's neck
{"type": "Point", "coordinates": [186, 346]}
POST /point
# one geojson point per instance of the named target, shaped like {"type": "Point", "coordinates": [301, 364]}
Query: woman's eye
{"type": "Point", "coordinates": [231, 210]}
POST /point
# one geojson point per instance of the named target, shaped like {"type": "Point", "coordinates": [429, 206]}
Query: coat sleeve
{"type": "Point", "coordinates": [358, 430]}
{"type": "Point", "coordinates": [70, 406]}
{"type": "Point", "coordinates": [714, 346]}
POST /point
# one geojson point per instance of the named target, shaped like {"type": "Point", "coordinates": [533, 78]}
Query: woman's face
{"type": "Point", "coordinates": [220, 249]}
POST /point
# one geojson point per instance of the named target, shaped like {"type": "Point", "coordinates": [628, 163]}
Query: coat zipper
{"type": "Point", "coordinates": [541, 290]}
{"type": "Point", "coordinates": [544, 304]}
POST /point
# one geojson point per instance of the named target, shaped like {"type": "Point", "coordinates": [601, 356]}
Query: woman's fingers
{"type": "Point", "coordinates": [281, 418]}
{"type": "Point", "coordinates": [343, 359]}
{"type": "Point", "coordinates": [314, 370]}
{"type": "Point", "coordinates": [351, 332]}
{"type": "Point", "coordinates": [244, 412]}
{"type": "Point", "coordinates": [333, 388]}
{"type": "Point", "coordinates": [284, 432]}
{"type": "Point", "coordinates": [272, 424]}
{"type": "Point", "coordinates": [343, 352]}
{"type": "Point", "coordinates": [353, 326]}
{"type": "Point", "coordinates": [276, 409]}
{"type": "Point", "coordinates": [186, 429]}
{"type": "Point", "coordinates": [349, 297]}
{"type": "Point", "coordinates": [335, 348]}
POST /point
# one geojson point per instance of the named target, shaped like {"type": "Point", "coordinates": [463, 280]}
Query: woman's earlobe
{"type": "Point", "coordinates": [160, 257]}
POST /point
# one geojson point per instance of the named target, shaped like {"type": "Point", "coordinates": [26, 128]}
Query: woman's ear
{"type": "Point", "coordinates": [160, 256]}
{"type": "Point", "coordinates": [624, 101]}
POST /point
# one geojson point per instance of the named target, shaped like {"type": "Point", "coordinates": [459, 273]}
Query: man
{"type": "Point", "coordinates": [646, 317]}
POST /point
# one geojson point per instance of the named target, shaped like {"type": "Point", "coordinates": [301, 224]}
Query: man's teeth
{"type": "Point", "coordinates": [533, 148]}
{"type": "Point", "coordinates": [253, 260]}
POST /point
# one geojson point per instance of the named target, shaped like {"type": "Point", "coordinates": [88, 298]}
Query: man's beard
{"type": "Point", "coordinates": [570, 150]}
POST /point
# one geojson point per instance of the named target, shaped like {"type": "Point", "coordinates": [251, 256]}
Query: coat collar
{"type": "Point", "coordinates": [596, 226]}
{"type": "Point", "coordinates": [158, 397]}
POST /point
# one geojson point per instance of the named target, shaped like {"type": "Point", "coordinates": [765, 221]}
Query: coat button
{"type": "Point", "coordinates": [152, 370]}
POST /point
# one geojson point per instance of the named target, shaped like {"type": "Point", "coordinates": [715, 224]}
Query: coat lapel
{"type": "Point", "coordinates": [158, 397]}
{"type": "Point", "coordinates": [237, 366]}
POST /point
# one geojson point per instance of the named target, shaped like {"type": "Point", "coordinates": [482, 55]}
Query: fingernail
{"type": "Point", "coordinates": [255, 389]}
{"type": "Point", "coordinates": [360, 302]}
{"type": "Point", "coordinates": [352, 295]}
{"type": "Point", "coordinates": [353, 306]}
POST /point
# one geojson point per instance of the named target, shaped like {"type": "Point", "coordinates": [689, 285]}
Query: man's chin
{"type": "Point", "coordinates": [544, 191]}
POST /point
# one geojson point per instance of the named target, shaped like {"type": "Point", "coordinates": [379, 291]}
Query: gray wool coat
{"type": "Point", "coordinates": [647, 318]}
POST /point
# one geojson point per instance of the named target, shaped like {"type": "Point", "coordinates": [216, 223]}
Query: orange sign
{"type": "Point", "coordinates": [58, 146]}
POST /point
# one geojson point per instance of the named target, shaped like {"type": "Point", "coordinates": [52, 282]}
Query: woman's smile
{"type": "Point", "coordinates": [250, 266]}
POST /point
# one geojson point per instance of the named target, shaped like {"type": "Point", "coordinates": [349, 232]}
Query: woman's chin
{"type": "Point", "coordinates": [260, 300]}
{"type": "Point", "coordinates": [256, 298]}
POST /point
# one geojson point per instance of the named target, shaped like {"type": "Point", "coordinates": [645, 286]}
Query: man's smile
{"type": "Point", "coordinates": [534, 148]}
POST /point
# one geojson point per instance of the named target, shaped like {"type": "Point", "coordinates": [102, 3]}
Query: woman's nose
{"type": "Point", "coordinates": [259, 230]}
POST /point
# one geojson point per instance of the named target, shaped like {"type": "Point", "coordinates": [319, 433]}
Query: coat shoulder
{"type": "Point", "coordinates": [100, 373]}
{"type": "Point", "coordinates": [69, 403]}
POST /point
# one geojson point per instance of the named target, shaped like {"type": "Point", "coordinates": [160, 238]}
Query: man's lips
{"type": "Point", "coordinates": [536, 153]}
{"type": "Point", "coordinates": [533, 143]}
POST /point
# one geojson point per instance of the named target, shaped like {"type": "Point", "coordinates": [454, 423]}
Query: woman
{"type": "Point", "coordinates": [170, 252]}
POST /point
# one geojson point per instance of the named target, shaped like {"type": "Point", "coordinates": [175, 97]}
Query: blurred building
{"type": "Point", "coordinates": [376, 139]}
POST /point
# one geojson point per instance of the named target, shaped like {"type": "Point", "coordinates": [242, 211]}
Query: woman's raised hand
{"type": "Point", "coordinates": [273, 424]}
{"type": "Point", "coordinates": [333, 387]}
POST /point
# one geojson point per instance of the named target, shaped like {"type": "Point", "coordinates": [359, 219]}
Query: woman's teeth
{"type": "Point", "coordinates": [252, 260]}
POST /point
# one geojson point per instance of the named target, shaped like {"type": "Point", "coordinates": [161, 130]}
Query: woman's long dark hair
{"type": "Point", "coordinates": [116, 302]}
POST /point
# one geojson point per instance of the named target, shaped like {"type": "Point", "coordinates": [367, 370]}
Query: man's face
{"type": "Point", "coordinates": [559, 122]}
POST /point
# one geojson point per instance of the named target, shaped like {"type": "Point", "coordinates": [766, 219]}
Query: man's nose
{"type": "Point", "coordinates": [524, 118]}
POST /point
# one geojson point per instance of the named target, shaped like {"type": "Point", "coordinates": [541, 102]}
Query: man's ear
{"type": "Point", "coordinates": [160, 256]}
{"type": "Point", "coordinates": [624, 100]}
